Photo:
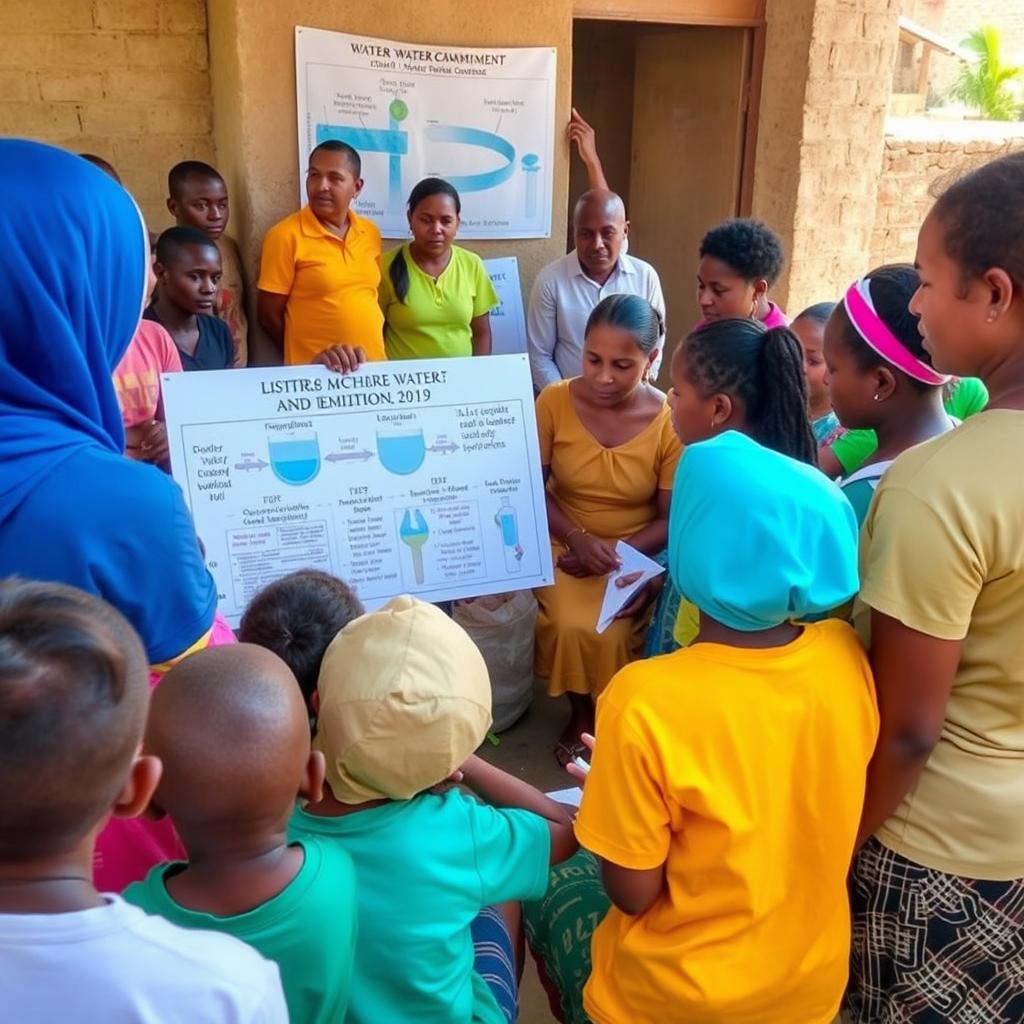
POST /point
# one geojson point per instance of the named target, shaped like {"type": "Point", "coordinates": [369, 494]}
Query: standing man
{"type": "Point", "coordinates": [567, 290]}
{"type": "Point", "coordinates": [320, 268]}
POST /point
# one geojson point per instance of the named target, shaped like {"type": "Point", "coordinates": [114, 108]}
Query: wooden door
{"type": "Point", "coordinates": [689, 126]}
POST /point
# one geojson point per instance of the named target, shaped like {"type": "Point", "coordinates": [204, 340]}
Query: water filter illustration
{"type": "Point", "coordinates": [508, 522]}
{"type": "Point", "coordinates": [415, 533]}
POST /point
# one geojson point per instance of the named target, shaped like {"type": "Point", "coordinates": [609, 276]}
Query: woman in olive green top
{"type": "Point", "coordinates": [436, 296]}
{"type": "Point", "coordinates": [938, 886]}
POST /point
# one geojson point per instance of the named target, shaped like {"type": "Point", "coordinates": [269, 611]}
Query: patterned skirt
{"type": "Point", "coordinates": [932, 948]}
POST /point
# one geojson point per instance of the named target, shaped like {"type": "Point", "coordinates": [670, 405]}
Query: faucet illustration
{"type": "Point", "coordinates": [415, 533]}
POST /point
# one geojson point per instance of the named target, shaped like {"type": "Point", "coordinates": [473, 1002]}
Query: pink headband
{"type": "Point", "coordinates": [868, 324]}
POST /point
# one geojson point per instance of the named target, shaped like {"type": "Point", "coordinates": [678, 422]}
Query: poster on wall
{"type": "Point", "coordinates": [481, 118]}
{"type": "Point", "coordinates": [401, 478]}
{"type": "Point", "coordinates": [508, 321]}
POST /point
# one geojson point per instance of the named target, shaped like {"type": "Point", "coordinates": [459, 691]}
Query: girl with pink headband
{"type": "Point", "coordinates": [880, 376]}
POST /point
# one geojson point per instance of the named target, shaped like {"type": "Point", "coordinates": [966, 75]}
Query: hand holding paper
{"type": "Point", "coordinates": [634, 564]}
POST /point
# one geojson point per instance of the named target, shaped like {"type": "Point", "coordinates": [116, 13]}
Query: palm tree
{"type": "Point", "coordinates": [983, 82]}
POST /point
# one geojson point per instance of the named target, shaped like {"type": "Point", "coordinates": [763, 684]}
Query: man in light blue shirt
{"type": "Point", "coordinates": [567, 290]}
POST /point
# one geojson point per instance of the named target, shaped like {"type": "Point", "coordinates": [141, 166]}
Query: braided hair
{"type": "Point", "coordinates": [762, 367]}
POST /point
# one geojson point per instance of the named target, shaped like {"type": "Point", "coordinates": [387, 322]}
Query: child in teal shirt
{"type": "Point", "coordinates": [231, 728]}
{"type": "Point", "coordinates": [403, 701]}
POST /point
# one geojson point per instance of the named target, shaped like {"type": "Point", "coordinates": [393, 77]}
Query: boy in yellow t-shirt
{"type": "Point", "coordinates": [728, 777]}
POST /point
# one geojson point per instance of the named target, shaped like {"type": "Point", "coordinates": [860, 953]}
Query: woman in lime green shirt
{"type": "Point", "coordinates": [436, 296]}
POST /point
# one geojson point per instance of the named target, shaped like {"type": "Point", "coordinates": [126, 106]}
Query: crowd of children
{"type": "Point", "coordinates": [295, 825]}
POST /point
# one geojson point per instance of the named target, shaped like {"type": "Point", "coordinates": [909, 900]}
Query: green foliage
{"type": "Point", "coordinates": [983, 84]}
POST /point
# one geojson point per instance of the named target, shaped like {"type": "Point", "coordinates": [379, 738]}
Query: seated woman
{"type": "Point", "coordinates": [436, 296]}
{"type": "Point", "coordinates": [73, 509]}
{"type": "Point", "coordinates": [609, 454]}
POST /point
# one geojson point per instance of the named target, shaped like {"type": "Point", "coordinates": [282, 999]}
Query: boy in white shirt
{"type": "Point", "coordinates": [73, 699]}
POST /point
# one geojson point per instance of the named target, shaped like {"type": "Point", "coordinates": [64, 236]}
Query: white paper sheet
{"type": "Point", "coordinates": [570, 796]}
{"type": "Point", "coordinates": [616, 598]}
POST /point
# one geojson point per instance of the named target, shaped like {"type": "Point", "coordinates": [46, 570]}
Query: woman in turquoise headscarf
{"type": "Point", "coordinates": [727, 780]}
{"type": "Point", "coordinates": [73, 260]}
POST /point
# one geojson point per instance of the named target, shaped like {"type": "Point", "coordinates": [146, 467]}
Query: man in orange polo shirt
{"type": "Point", "coordinates": [320, 267]}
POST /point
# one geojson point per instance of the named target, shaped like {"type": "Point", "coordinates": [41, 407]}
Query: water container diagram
{"type": "Point", "coordinates": [481, 118]}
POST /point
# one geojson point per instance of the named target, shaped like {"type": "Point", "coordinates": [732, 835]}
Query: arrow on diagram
{"type": "Point", "coordinates": [349, 456]}
{"type": "Point", "coordinates": [252, 464]}
{"type": "Point", "coordinates": [444, 447]}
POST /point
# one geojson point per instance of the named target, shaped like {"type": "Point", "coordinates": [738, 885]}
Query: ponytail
{"type": "Point", "coordinates": [399, 274]}
{"type": "Point", "coordinates": [778, 416]}
{"type": "Point", "coordinates": [765, 369]}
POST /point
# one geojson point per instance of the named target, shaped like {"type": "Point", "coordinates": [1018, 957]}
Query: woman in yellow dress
{"type": "Point", "coordinates": [609, 455]}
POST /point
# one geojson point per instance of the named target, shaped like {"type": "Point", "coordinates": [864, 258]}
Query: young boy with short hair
{"type": "Point", "coordinates": [197, 197]}
{"type": "Point", "coordinates": [297, 617]}
{"type": "Point", "coordinates": [73, 699]}
{"type": "Point", "coordinates": [231, 730]}
{"type": "Point", "coordinates": [404, 700]}
{"type": "Point", "coordinates": [188, 273]}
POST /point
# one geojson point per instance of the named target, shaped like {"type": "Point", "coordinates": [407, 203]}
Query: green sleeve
{"type": "Point", "coordinates": [386, 290]}
{"type": "Point", "coordinates": [854, 448]}
{"type": "Point", "coordinates": [968, 396]}
{"type": "Point", "coordinates": [485, 298]}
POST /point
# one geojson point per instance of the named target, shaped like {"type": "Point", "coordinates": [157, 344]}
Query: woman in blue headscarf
{"type": "Point", "coordinates": [73, 262]}
{"type": "Point", "coordinates": [73, 258]}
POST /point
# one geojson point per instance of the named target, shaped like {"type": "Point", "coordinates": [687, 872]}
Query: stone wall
{"type": "Point", "coordinates": [956, 19]}
{"type": "Point", "coordinates": [827, 82]}
{"type": "Point", "coordinates": [125, 79]}
{"type": "Point", "coordinates": [910, 169]}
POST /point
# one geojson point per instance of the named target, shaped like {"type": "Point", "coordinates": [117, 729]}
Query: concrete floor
{"type": "Point", "coordinates": [525, 751]}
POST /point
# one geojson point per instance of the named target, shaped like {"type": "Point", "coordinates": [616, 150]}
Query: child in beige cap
{"type": "Point", "coordinates": [404, 700]}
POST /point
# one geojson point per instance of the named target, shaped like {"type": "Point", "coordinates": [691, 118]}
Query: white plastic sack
{"type": "Point", "coordinates": [503, 627]}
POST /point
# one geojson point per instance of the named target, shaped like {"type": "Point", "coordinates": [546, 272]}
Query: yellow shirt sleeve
{"type": "Point", "coordinates": [919, 564]}
{"type": "Point", "coordinates": [671, 450]}
{"type": "Point", "coordinates": [546, 424]}
{"type": "Point", "coordinates": [623, 816]}
{"type": "Point", "coordinates": [277, 260]}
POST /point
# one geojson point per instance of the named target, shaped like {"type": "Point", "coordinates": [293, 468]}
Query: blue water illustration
{"type": "Point", "coordinates": [401, 453]}
{"type": "Point", "coordinates": [531, 167]}
{"type": "Point", "coordinates": [394, 141]}
{"type": "Point", "coordinates": [509, 527]}
{"type": "Point", "coordinates": [508, 522]}
{"type": "Point", "coordinates": [293, 461]}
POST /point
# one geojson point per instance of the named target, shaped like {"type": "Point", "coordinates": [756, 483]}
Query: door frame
{"type": "Point", "coordinates": [718, 13]}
